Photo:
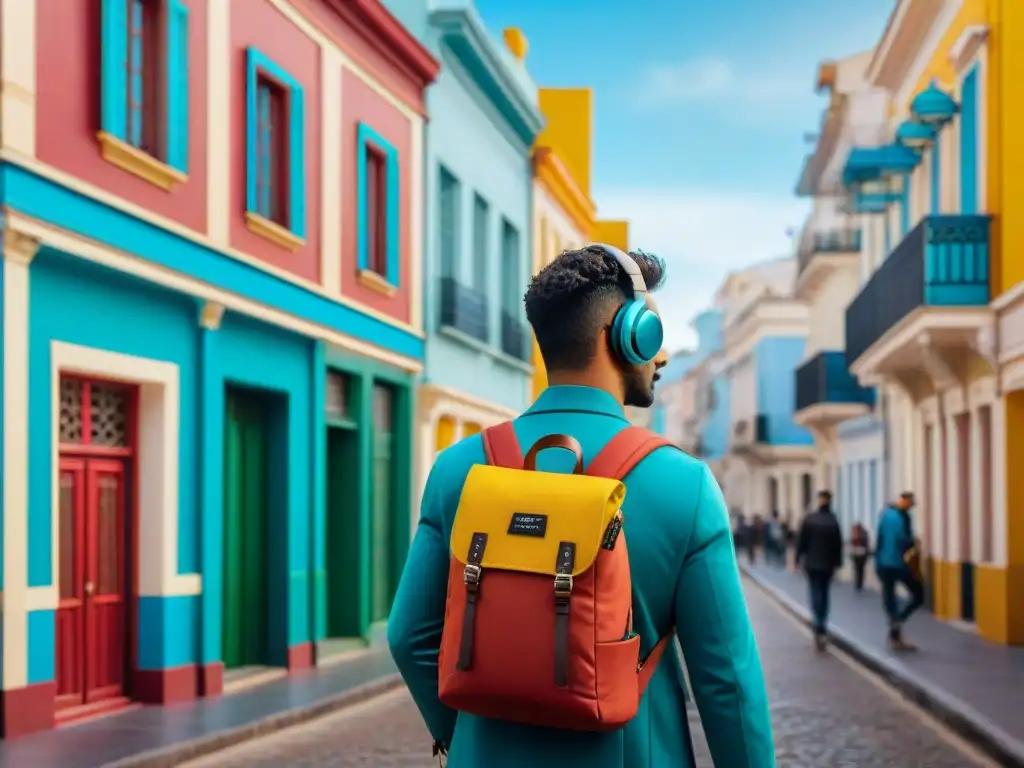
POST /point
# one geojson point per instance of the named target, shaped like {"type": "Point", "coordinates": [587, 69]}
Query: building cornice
{"type": "Point", "coordinates": [909, 27]}
{"type": "Point", "coordinates": [466, 38]}
{"type": "Point", "coordinates": [554, 177]}
{"type": "Point", "coordinates": [388, 37]}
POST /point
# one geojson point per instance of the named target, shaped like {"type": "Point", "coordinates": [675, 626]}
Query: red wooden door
{"type": "Point", "coordinates": [70, 645]}
{"type": "Point", "coordinates": [91, 618]}
{"type": "Point", "coordinates": [105, 624]}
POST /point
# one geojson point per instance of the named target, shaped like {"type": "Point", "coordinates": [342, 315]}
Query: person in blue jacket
{"type": "Point", "coordinates": [683, 564]}
{"type": "Point", "coordinates": [897, 561]}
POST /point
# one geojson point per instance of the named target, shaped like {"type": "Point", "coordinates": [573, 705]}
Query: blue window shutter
{"type": "Point", "coordinates": [251, 61]}
{"type": "Point", "coordinates": [394, 224]}
{"type": "Point", "coordinates": [936, 173]}
{"type": "Point", "coordinates": [362, 243]}
{"type": "Point", "coordinates": [177, 85]}
{"type": "Point", "coordinates": [905, 207]}
{"type": "Point", "coordinates": [114, 68]}
{"type": "Point", "coordinates": [297, 161]}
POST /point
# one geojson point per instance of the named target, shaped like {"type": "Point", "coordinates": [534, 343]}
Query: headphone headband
{"type": "Point", "coordinates": [631, 268]}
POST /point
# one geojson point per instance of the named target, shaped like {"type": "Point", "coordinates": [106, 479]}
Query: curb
{"type": "Point", "coordinates": [176, 754]}
{"type": "Point", "coordinates": [960, 717]}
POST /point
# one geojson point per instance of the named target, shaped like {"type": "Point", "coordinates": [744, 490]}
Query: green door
{"type": "Point", "coordinates": [245, 530]}
{"type": "Point", "coordinates": [343, 556]}
{"type": "Point", "coordinates": [382, 579]}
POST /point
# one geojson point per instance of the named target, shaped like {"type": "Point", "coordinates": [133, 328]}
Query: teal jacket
{"type": "Point", "coordinates": [895, 535]}
{"type": "Point", "coordinates": [684, 575]}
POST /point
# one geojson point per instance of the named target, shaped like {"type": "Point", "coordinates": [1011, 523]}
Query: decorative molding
{"type": "Point", "coordinates": [370, 279]}
{"type": "Point", "coordinates": [210, 315]}
{"type": "Point", "coordinates": [272, 231]}
{"type": "Point", "coordinates": [551, 174]}
{"type": "Point", "coordinates": [19, 248]}
{"type": "Point", "coordinates": [964, 49]}
{"type": "Point", "coordinates": [937, 367]}
{"type": "Point", "coordinates": [139, 163]}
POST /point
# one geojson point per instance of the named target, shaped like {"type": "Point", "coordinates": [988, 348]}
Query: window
{"type": "Point", "coordinates": [450, 202]}
{"type": "Point", "coordinates": [481, 213]}
{"type": "Point", "coordinates": [376, 210]}
{"type": "Point", "coordinates": [271, 151]}
{"type": "Point", "coordinates": [512, 287]}
{"type": "Point", "coordinates": [143, 67]}
{"type": "Point", "coordinates": [378, 229]}
{"type": "Point", "coordinates": [144, 88]}
{"type": "Point", "coordinates": [275, 173]}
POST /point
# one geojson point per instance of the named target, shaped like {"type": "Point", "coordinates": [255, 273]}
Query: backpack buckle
{"type": "Point", "coordinates": [563, 586]}
{"type": "Point", "coordinates": [471, 576]}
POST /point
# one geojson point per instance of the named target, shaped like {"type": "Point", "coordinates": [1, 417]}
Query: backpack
{"type": "Point", "coordinates": [539, 620]}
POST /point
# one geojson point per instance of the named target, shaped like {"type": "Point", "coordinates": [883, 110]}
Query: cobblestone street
{"type": "Point", "coordinates": [825, 713]}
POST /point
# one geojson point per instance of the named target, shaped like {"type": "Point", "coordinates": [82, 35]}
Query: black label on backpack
{"type": "Point", "coordinates": [611, 533]}
{"type": "Point", "coordinates": [525, 524]}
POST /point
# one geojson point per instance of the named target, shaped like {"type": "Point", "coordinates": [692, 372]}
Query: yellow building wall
{"type": "Point", "coordinates": [998, 589]}
{"type": "Point", "coordinates": [612, 233]}
{"type": "Point", "coordinates": [569, 114]}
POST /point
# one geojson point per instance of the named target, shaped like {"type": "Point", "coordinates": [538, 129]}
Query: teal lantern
{"type": "Point", "coordinates": [933, 106]}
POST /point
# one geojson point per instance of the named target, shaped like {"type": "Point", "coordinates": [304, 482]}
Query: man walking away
{"type": "Point", "coordinates": [898, 561]}
{"type": "Point", "coordinates": [682, 567]}
{"type": "Point", "coordinates": [860, 547]}
{"type": "Point", "coordinates": [819, 550]}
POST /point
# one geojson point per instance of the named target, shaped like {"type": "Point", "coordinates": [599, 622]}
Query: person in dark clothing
{"type": "Point", "coordinates": [819, 551]}
{"type": "Point", "coordinates": [754, 535]}
{"type": "Point", "coordinates": [860, 548]}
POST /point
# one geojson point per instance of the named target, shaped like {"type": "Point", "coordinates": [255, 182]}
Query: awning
{"type": "Point", "coordinates": [870, 163]}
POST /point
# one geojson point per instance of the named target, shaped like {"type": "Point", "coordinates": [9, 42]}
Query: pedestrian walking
{"type": "Point", "coordinates": [860, 549]}
{"type": "Point", "coordinates": [755, 533]}
{"type": "Point", "coordinates": [489, 653]}
{"type": "Point", "coordinates": [819, 551]}
{"type": "Point", "coordinates": [775, 543]}
{"type": "Point", "coordinates": [898, 561]}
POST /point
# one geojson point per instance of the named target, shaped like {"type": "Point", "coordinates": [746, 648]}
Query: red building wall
{"type": "Point", "coordinates": [361, 104]}
{"type": "Point", "coordinates": [259, 24]}
{"type": "Point", "coordinates": [68, 109]}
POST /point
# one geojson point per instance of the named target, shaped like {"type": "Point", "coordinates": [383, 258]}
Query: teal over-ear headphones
{"type": "Point", "coordinates": [636, 333]}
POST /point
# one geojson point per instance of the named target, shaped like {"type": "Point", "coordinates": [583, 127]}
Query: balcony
{"type": "Point", "coordinates": [827, 393]}
{"type": "Point", "coordinates": [463, 310]}
{"type": "Point", "coordinates": [749, 432]}
{"type": "Point", "coordinates": [918, 319]}
{"type": "Point", "coordinates": [515, 339]}
{"type": "Point", "coordinates": [824, 254]}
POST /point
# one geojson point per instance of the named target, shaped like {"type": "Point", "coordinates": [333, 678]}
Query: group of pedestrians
{"type": "Point", "coordinates": [819, 553]}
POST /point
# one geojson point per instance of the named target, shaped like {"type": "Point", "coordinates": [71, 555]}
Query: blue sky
{"type": "Point", "coordinates": [701, 107]}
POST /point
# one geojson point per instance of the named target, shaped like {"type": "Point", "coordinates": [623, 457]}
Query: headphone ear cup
{"type": "Point", "coordinates": [647, 336]}
{"type": "Point", "coordinates": [630, 312]}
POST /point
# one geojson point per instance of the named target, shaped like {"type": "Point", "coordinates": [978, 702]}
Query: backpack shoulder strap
{"type": "Point", "coordinates": [650, 664]}
{"type": "Point", "coordinates": [501, 446]}
{"type": "Point", "coordinates": [624, 451]}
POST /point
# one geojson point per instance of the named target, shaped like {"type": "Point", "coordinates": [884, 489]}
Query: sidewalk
{"type": "Point", "coordinates": [168, 736]}
{"type": "Point", "coordinates": [975, 687]}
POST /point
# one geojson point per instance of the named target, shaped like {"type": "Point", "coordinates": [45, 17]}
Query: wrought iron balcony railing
{"type": "Point", "coordinates": [515, 338]}
{"type": "Point", "coordinates": [825, 378]}
{"type": "Point", "coordinates": [942, 262]}
{"type": "Point", "coordinates": [832, 241]}
{"type": "Point", "coordinates": [464, 309]}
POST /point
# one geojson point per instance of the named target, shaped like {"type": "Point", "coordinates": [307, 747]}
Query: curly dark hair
{"type": "Point", "coordinates": [569, 302]}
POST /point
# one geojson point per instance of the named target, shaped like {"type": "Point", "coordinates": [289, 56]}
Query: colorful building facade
{"type": "Point", "coordinates": [849, 435]}
{"type": "Point", "coordinates": [932, 326]}
{"type": "Point", "coordinates": [768, 456]}
{"type": "Point", "coordinates": [484, 118]}
{"type": "Point", "coordinates": [211, 328]}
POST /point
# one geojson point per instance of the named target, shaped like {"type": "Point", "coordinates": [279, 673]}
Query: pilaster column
{"type": "Point", "coordinates": [18, 70]}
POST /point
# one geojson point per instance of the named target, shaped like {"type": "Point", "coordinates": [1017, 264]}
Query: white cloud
{"type": "Point", "coordinates": [702, 236]}
{"type": "Point", "coordinates": [710, 79]}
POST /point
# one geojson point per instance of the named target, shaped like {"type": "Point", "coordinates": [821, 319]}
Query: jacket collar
{"type": "Point", "coordinates": [578, 400]}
